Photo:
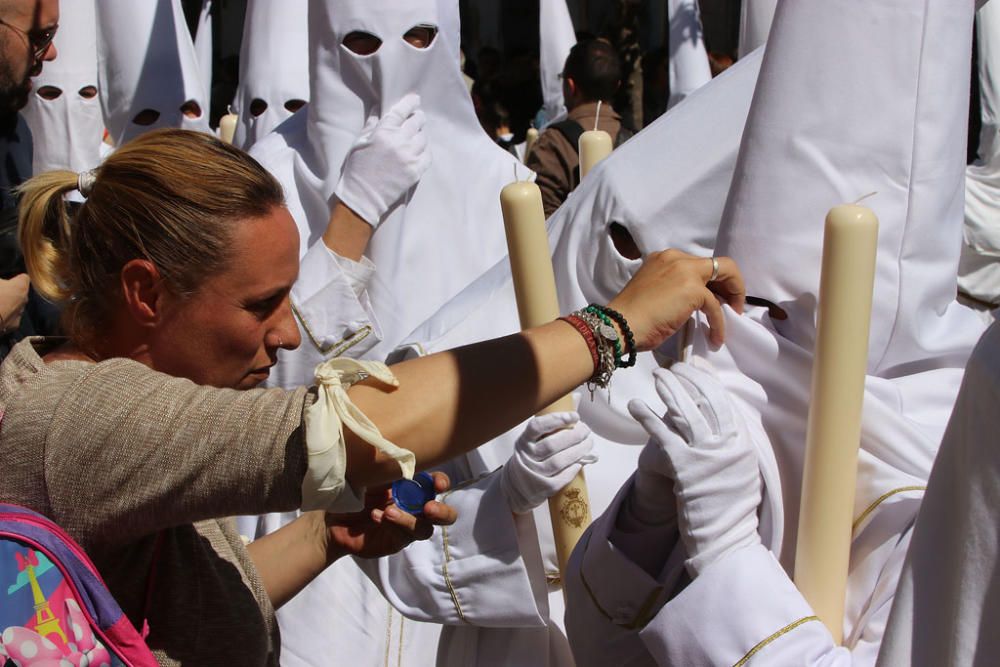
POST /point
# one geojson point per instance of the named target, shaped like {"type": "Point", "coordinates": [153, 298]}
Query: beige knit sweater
{"type": "Point", "coordinates": [116, 453]}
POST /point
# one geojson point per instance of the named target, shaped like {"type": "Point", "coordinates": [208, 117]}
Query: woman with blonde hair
{"type": "Point", "coordinates": [174, 275]}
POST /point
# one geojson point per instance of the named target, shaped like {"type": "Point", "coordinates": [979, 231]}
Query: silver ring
{"type": "Point", "coordinates": [280, 344]}
{"type": "Point", "coordinates": [715, 270]}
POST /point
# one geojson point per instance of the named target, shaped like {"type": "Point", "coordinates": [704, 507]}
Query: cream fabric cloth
{"type": "Point", "coordinates": [325, 419]}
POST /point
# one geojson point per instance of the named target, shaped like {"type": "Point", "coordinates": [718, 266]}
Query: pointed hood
{"type": "Point", "coordinates": [899, 130]}
{"type": "Point", "coordinates": [68, 129]}
{"type": "Point", "coordinates": [449, 230]}
{"type": "Point", "coordinates": [755, 23]}
{"type": "Point", "coordinates": [147, 65]}
{"type": "Point", "coordinates": [274, 67]}
{"type": "Point", "coordinates": [556, 38]}
{"type": "Point", "coordinates": [204, 43]}
{"type": "Point", "coordinates": [687, 66]}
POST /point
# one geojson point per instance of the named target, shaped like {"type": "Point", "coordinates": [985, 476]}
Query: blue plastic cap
{"type": "Point", "coordinates": [410, 495]}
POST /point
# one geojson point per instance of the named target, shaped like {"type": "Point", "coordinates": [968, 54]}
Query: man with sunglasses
{"type": "Point", "coordinates": [27, 28]}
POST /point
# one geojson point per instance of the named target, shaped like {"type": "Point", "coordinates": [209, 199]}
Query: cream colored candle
{"type": "Point", "coordinates": [829, 478]}
{"type": "Point", "coordinates": [529, 140]}
{"type": "Point", "coordinates": [227, 127]}
{"type": "Point", "coordinates": [595, 145]}
{"type": "Point", "coordinates": [535, 290]}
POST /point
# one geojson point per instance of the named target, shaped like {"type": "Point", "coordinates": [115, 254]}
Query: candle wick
{"type": "Point", "coordinates": [597, 116]}
{"type": "Point", "coordinates": [229, 108]}
{"type": "Point", "coordinates": [861, 199]}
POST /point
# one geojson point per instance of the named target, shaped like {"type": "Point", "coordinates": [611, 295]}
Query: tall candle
{"type": "Point", "coordinates": [595, 145]}
{"type": "Point", "coordinates": [529, 140]}
{"type": "Point", "coordinates": [227, 127]}
{"type": "Point", "coordinates": [537, 304]}
{"type": "Point", "coordinates": [840, 361]}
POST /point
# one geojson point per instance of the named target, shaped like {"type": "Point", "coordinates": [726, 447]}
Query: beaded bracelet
{"type": "Point", "coordinates": [616, 341]}
{"type": "Point", "coordinates": [602, 353]}
{"type": "Point", "coordinates": [626, 331]}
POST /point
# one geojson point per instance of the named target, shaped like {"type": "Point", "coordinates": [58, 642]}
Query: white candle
{"type": "Point", "coordinates": [529, 140]}
{"type": "Point", "coordinates": [834, 432]}
{"type": "Point", "coordinates": [227, 127]}
{"type": "Point", "coordinates": [595, 145]}
{"type": "Point", "coordinates": [537, 304]}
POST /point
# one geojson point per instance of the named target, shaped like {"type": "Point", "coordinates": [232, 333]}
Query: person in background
{"type": "Point", "coordinates": [592, 76]}
{"type": "Point", "coordinates": [27, 28]}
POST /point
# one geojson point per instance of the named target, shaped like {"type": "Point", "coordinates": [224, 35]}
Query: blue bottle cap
{"type": "Point", "coordinates": [410, 495]}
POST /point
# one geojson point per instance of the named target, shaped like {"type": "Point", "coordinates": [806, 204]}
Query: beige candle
{"type": "Point", "coordinates": [227, 126]}
{"type": "Point", "coordinates": [535, 290]}
{"type": "Point", "coordinates": [829, 478]}
{"type": "Point", "coordinates": [529, 140]}
{"type": "Point", "coordinates": [595, 145]}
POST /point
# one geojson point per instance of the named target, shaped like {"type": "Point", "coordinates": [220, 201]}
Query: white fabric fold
{"type": "Point", "coordinates": [326, 477]}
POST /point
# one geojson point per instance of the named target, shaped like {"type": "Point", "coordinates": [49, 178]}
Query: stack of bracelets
{"type": "Point", "coordinates": [596, 325]}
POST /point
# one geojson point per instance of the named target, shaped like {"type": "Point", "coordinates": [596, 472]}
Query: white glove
{"type": "Point", "coordinates": [386, 161]}
{"type": "Point", "coordinates": [546, 458]}
{"type": "Point", "coordinates": [702, 447]}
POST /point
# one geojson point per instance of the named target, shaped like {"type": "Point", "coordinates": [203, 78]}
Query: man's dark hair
{"type": "Point", "coordinates": [595, 67]}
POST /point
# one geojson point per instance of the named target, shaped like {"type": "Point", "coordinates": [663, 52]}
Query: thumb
{"type": "Point", "coordinates": [401, 110]}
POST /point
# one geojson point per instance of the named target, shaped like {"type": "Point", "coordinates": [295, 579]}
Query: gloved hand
{"type": "Point", "coordinates": [388, 159]}
{"type": "Point", "coordinates": [546, 457]}
{"type": "Point", "coordinates": [702, 447]}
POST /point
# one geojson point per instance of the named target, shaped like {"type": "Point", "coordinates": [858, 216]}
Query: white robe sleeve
{"type": "Point", "coordinates": [743, 610]}
{"type": "Point", "coordinates": [334, 314]}
{"type": "Point", "coordinates": [470, 573]}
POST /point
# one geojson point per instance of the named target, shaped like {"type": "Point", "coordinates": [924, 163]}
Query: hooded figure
{"type": "Point", "coordinates": [203, 46]}
{"type": "Point", "coordinates": [687, 67]}
{"type": "Point", "coordinates": [887, 115]}
{"type": "Point", "coordinates": [63, 111]}
{"type": "Point", "coordinates": [147, 69]}
{"type": "Point", "coordinates": [556, 38]}
{"type": "Point", "coordinates": [274, 67]}
{"type": "Point", "coordinates": [979, 269]}
{"type": "Point", "coordinates": [448, 230]}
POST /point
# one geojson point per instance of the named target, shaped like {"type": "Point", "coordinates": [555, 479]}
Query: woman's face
{"type": "Point", "coordinates": [228, 333]}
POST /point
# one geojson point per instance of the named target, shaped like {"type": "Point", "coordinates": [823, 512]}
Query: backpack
{"type": "Point", "coordinates": [54, 607]}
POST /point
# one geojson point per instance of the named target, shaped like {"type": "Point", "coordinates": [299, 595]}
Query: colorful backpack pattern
{"type": "Point", "coordinates": [55, 610]}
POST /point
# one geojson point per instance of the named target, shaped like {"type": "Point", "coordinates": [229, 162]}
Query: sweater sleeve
{"type": "Point", "coordinates": [130, 451]}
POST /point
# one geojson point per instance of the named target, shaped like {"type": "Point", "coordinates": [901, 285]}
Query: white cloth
{"type": "Point", "coordinates": [204, 46]}
{"type": "Point", "coordinates": [146, 61]}
{"type": "Point", "coordinates": [755, 23]}
{"type": "Point", "coordinates": [979, 268]}
{"type": "Point", "coordinates": [946, 607]}
{"type": "Point", "coordinates": [556, 38]}
{"type": "Point", "coordinates": [687, 68]}
{"type": "Point", "coordinates": [456, 199]}
{"type": "Point", "coordinates": [274, 67]}
{"type": "Point", "coordinates": [67, 131]}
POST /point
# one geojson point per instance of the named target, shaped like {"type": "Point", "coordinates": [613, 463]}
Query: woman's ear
{"type": "Point", "coordinates": [143, 292]}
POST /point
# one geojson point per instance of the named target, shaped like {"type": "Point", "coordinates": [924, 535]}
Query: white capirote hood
{"type": "Point", "coordinates": [556, 38]}
{"type": "Point", "coordinates": [274, 66]}
{"type": "Point", "coordinates": [67, 131]}
{"type": "Point", "coordinates": [449, 229]}
{"type": "Point", "coordinates": [687, 67]}
{"type": "Point", "coordinates": [146, 60]}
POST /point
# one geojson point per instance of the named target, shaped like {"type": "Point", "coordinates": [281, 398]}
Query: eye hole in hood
{"type": "Point", "coordinates": [420, 36]}
{"type": "Point", "coordinates": [88, 92]}
{"type": "Point", "coordinates": [257, 107]}
{"type": "Point", "coordinates": [146, 117]}
{"type": "Point", "coordinates": [49, 93]}
{"type": "Point", "coordinates": [623, 241]}
{"type": "Point", "coordinates": [191, 109]}
{"type": "Point", "coordinates": [294, 105]}
{"type": "Point", "coordinates": [361, 43]}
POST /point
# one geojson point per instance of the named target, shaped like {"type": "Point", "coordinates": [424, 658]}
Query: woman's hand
{"type": "Point", "coordinates": [13, 297]}
{"type": "Point", "coordinates": [669, 287]}
{"type": "Point", "coordinates": [382, 528]}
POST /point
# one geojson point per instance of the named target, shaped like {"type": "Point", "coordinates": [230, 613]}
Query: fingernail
{"type": "Point", "coordinates": [392, 513]}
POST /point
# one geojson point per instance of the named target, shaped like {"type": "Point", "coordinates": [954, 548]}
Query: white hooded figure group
{"type": "Point", "coordinates": [694, 468]}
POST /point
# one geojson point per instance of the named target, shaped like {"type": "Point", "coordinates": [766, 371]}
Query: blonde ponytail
{"type": "Point", "coordinates": [43, 232]}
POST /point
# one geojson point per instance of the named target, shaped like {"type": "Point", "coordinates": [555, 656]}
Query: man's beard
{"type": "Point", "coordinates": [13, 92]}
